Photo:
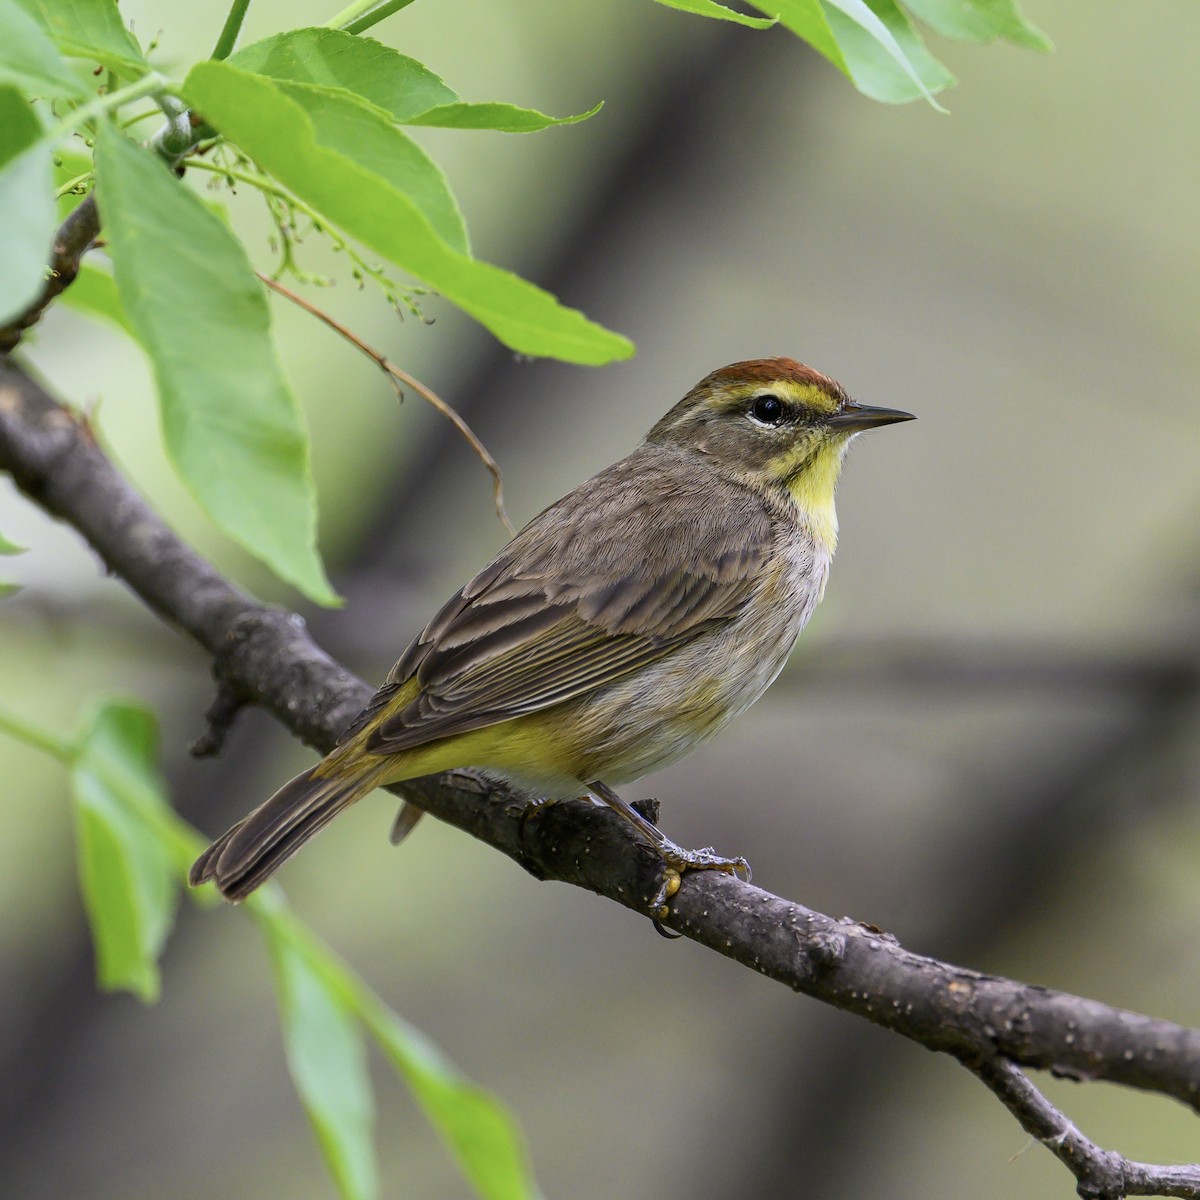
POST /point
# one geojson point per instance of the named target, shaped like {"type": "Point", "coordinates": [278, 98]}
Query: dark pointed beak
{"type": "Point", "coordinates": [855, 417]}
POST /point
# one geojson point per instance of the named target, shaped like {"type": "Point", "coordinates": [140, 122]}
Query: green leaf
{"type": "Point", "coordinates": [28, 57]}
{"type": "Point", "coordinates": [320, 998]}
{"type": "Point", "coordinates": [480, 1133]}
{"type": "Point", "coordinates": [365, 134]}
{"type": "Point", "coordinates": [871, 41]}
{"type": "Point", "coordinates": [333, 59]}
{"type": "Point", "coordinates": [807, 20]}
{"type": "Point", "coordinates": [94, 292]}
{"type": "Point", "coordinates": [327, 1059]}
{"type": "Point", "coordinates": [126, 869]}
{"type": "Point", "coordinates": [980, 21]}
{"type": "Point", "coordinates": [401, 86]}
{"type": "Point", "coordinates": [885, 57]}
{"type": "Point", "coordinates": [503, 118]}
{"type": "Point", "coordinates": [232, 426]}
{"type": "Point", "coordinates": [27, 202]}
{"type": "Point", "coordinates": [90, 29]}
{"type": "Point", "coordinates": [276, 132]}
{"type": "Point", "coordinates": [708, 8]}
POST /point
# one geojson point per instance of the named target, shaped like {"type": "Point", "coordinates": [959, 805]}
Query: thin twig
{"type": "Point", "coordinates": [1100, 1174]}
{"type": "Point", "coordinates": [396, 376]}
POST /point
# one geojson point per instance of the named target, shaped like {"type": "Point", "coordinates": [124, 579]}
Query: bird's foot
{"type": "Point", "coordinates": [677, 860]}
{"type": "Point", "coordinates": [705, 860]}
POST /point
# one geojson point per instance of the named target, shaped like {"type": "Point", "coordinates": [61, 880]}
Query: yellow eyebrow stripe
{"type": "Point", "coordinates": [803, 395]}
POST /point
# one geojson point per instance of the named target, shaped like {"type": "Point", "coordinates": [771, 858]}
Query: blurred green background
{"type": "Point", "coordinates": [986, 743]}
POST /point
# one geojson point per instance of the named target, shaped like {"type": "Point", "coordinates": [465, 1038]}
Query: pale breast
{"type": "Point", "coordinates": [656, 716]}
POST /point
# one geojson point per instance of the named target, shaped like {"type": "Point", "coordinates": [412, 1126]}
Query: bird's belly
{"type": "Point", "coordinates": [656, 716]}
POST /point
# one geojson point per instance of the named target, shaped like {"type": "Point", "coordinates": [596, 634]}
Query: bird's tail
{"type": "Point", "coordinates": [248, 854]}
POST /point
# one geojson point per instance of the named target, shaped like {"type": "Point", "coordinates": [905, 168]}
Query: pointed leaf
{"type": "Point", "coordinates": [807, 20]}
{"type": "Point", "coordinates": [90, 29]}
{"type": "Point", "coordinates": [884, 55]}
{"type": "Point", "coordinates": [870, 40]}
{"type": "Point", "coordinates": [28, 57]}
{"type": "Point", "coordinates": [276, 132]}
{"type": "Point", "coordinates": [980, 21]}
{"type": "Point", "coordinates": [126, 869]}
{"type": "Point", "coordinates": [483, 1138]}
{"type": "Point", "coordinates": [334, 59]}
{"type": "Point", "coordinates": [709, 8]}
{"type": "Point", "coordinates": [400, 86]}
{"type": "Point", "coordinates": [232, 426]}
{"type": "Point", "coordinates": [365, 134]}
{"type": "Point", "coordinates": [504, 118]}
{"type": "Point", "coordinates": [327, 1059]}
{"type": "Point", "coordinates": [27, 202]}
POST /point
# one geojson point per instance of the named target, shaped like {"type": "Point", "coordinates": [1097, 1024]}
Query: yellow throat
{"type": "Point", "coordinates": [812, 481]}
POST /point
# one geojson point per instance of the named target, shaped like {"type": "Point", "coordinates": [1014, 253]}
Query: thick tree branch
{"type": "Point", "coordinates": [265, 656]}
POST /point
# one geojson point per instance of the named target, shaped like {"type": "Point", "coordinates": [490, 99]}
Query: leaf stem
{"type": "Point", "coordinates": [362, 14]}
{"type": "Point", "coordinates": [352, 13]}
{"type": "Point", "coordinates": [33, 735]}
{"type": "Point", "coordinates": [263, 182]}
{"type": "Point", "coordinates": [148, 84]}
{"type": "Point", "coordinates": [229, 34]}
{"type": "Point", "coordinates": [376, 15]}
{"type": "Point", "coordinates": [275, 194]}
{"type": "Point", "coordinates": [150, 112]}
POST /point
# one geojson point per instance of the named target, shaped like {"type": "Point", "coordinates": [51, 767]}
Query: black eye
{"type": "Point", "coordinates": [767, 410]}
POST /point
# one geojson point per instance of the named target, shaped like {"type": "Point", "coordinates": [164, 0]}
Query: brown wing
{"type": "Point", "coordinates": [638, 561]}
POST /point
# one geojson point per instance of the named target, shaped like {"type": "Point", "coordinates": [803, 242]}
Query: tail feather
{"type": "Point", "coordinates": [245, 856]}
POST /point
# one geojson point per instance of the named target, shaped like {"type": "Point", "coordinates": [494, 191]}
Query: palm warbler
{"type": "Point", "coordinates": [626, 623]}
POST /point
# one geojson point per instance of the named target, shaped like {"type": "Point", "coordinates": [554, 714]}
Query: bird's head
{"type": "Point", "coordinates": [777, 425]}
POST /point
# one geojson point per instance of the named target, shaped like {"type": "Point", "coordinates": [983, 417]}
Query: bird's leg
{"type": "Point", "coordinates": [406, 820]}
{"type": "Point", "coordinates": [676, 858]}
